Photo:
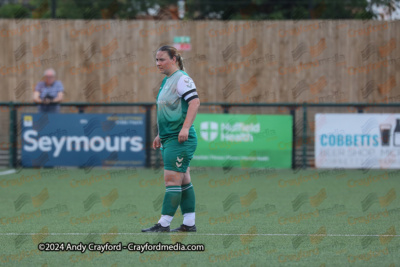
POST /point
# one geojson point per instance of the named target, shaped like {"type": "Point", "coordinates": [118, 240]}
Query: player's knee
{"type": "Point", "coordinates": [186, 178]}
{"type": "Point", "coordinates": [173, 178]}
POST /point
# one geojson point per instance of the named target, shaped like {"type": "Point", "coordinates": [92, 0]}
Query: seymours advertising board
{"type": "Point", "coordinates": [357, 141]}
{"type": "Point", "coordinates": [84, 140]}
{"type": "Point", "coordinates": [232, 140]}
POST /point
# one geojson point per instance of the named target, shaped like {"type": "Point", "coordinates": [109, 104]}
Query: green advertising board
{"type": "Point", "coordinates": [246, 141]}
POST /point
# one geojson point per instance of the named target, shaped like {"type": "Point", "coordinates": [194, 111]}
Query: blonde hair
{"type": "Point", "coordinates": [172, 52]}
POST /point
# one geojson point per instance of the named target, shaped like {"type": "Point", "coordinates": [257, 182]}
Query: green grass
{"type": "Point", "coordinates": [265, 205]}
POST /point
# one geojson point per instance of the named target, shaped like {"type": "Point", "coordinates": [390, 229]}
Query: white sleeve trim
{"type": "Point", "coordinates": [184, 85]}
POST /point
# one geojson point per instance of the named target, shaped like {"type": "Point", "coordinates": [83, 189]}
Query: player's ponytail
{"type": "Point", "coordinates": [179, 59]}
{"type": "Point", "coordinates": [172, 52]}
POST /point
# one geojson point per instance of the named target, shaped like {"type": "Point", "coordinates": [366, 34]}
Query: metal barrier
{"type": "Point", "coordinates": [225, 107]}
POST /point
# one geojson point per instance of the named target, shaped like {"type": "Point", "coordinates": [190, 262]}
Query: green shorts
{"type": "Point", "coordinates": [176, 156]}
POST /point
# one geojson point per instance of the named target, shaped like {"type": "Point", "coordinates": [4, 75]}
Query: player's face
{"type": "Point", "coordinates": [164, 63]}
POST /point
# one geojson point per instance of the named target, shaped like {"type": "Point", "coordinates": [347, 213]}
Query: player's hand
{"type": "Point", "coordinates": [157, 142]}
{"type": "Point", "coordinates": [183, 135]}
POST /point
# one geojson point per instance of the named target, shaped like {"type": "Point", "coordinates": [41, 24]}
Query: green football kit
{"type": "Point", "coordinates": [175, 93]}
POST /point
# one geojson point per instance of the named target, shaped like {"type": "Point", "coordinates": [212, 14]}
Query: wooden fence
{"type": "Point", "coordinates": [235, 61]}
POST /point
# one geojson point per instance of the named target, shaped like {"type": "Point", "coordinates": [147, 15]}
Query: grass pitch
{"type": "Point", "coordinates": [244, 217]}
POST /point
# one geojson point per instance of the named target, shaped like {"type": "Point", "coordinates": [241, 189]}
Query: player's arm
{"type": "Point", "coordinates": [187, 90]}
{"type": "Point", "coordinates": [157, 141]}
{"type": "Point", "coordinates": [194, 105]}
{"type": "Point", "coordinates": [190, 116]}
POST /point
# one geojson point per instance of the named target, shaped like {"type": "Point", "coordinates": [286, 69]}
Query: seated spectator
{"type": "Point", "coordinates": [49, 92]}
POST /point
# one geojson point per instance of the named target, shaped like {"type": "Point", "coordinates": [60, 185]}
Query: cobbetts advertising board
{"type": "Point", "coordinates": [83, 140]}
{"type": "Point", "coordinates": [358, 141]}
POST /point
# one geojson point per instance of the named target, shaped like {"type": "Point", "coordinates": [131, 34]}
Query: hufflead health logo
{"type": "Point", "coordinates": [237, 132]}
{"type": "Point", "coordinates": [209, 130]}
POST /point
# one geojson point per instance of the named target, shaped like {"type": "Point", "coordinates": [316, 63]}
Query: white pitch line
{"type": "Point", "coordinates": [8, 172]}
{"type": "Point", "coordinates": [196, 234]}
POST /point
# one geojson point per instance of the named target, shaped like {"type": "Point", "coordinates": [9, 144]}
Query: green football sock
{"type": "Point", "coordinates": [172, 198]}
{"type": "Point", "coordinates": [188, 200]}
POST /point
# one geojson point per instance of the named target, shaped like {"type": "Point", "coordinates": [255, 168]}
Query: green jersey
{"type": "Point", "coordinates": [175, 93]}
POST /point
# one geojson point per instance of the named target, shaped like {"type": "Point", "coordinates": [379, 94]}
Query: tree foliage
{"type": "Point", "coordinates": [201, 9]}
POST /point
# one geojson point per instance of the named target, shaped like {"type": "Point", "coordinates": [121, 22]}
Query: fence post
{"type": "Point", "coordinates": [293, 113]}
{"type": "Point", "coordinates": [225, 108]}
{"type": "Point", "coordinates": [12, 130]}
{"type": "Point", "coordinates": [304, 135]}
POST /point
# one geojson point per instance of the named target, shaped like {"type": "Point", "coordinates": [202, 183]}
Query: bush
{"type": "Point", "coordinates": [15, 11]}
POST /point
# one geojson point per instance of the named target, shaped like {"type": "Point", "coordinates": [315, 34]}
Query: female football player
{"type": "Point", "coordinates": [177, 105]}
